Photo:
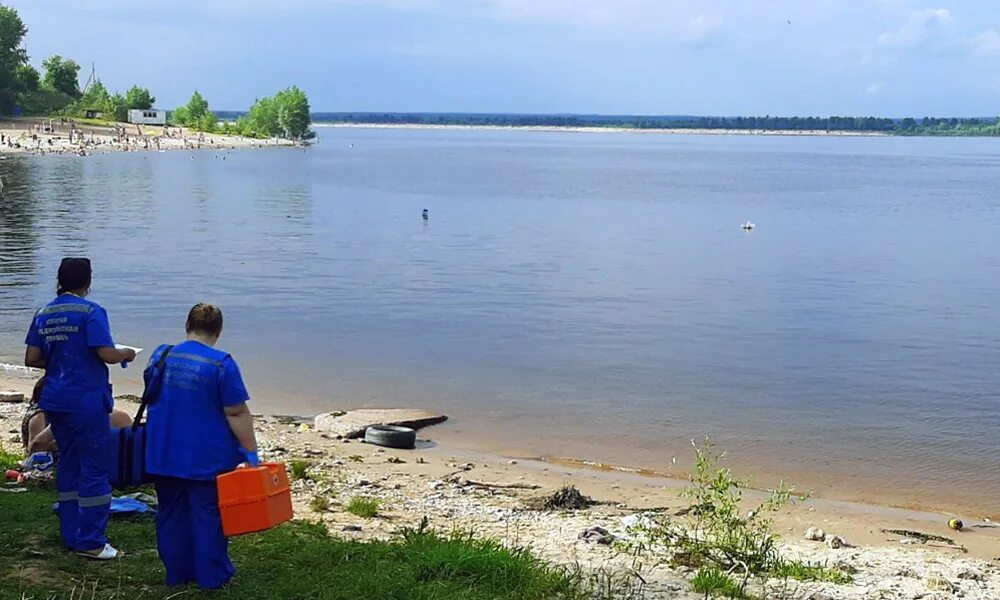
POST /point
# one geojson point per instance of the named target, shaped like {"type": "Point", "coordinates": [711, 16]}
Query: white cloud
{"type": "Point", "coordinates": [875, 88]}
{"type": "Point", "coordinates": [704, 25]}
{"type": "Point", "coordinates": [678, 20]}
{"type": "Point", "coordinates": [986, 42]}
{"type": "Point", "coordinates": [921, 26]}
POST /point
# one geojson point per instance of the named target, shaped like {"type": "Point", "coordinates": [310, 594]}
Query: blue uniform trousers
{"type": "Point", "coordinates": [84, 492]}
{"type": "Point", "coordinates": [189, 533]}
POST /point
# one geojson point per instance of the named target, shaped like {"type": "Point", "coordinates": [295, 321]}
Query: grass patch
{"type": "Point", "coordinates": [299, 469]}
{"type": "Point", "coordinates": [804, 571]}
{"type": "Point", "coordinates": [98, 122]}
{"type": "Point", "coordinates": [296, 560]}
{"type": "Point", "coordinates": [716, 584]}
{"type": "Point", "coordinates": [319, 504]}
{"type": "Point", "coordinates": [8, 459]}
{"type": "Point", "coordinates": [361, 506]}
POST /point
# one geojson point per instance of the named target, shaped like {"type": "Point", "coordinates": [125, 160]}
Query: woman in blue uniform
{"type": "Point", "coordinates": [198, 427]}
{"type": "Point", "coordinates": [71, 339]}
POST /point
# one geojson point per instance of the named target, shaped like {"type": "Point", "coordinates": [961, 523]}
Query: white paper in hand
{"type": "Point", "coordinates": [124, 347]}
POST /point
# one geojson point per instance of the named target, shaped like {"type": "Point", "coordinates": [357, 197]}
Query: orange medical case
{"type": "Point", "coordinates": [254, 498]}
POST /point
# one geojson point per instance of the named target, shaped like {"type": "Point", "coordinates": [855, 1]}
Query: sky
{"type": "Point", "coordinates": [706, 57]}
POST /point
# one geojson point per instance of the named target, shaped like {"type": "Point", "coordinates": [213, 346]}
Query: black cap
{"type": "Point", "coordinates": [74, 274]}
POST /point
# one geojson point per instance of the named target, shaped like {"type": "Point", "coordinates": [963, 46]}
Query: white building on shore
{"type": "Point", "coordinates": [148, 116]}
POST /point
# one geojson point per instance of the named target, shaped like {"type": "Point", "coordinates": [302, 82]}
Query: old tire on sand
{"type": "Point", "coordinates": [391, 436]}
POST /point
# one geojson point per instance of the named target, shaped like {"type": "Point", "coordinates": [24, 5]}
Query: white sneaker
{"type": "Point", "coordinates": [106, 553]}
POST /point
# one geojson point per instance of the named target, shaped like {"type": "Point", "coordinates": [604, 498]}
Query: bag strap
{"type": "Point", "coordinates": [152, 390]}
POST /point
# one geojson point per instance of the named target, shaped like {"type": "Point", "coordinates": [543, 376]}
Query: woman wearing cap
{"type": "Point", "coordinates": [198, 428]}
{"type": "Point", "coordinates": [71, 339]}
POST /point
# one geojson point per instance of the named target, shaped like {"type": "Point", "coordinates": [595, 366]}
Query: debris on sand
{"type": "Point", "coordinates": [565, 498]}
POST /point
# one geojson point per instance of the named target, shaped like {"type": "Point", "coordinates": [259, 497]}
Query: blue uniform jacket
{"type": "Point", "coordinates": [69, 330]}
{"type": "Point", "coordinates": [187, 433]}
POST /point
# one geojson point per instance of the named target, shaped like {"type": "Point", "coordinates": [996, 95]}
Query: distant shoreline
{"type": "Point", "coordinates": [589, 129]}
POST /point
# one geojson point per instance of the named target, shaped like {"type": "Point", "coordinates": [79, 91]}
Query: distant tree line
{"type": "Point", "coordinates": [908, 126]}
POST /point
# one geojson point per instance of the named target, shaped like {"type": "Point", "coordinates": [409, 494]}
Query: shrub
{"type": "Point", "coordinates": [719, 537]}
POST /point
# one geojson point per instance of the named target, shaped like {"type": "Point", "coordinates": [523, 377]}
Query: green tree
{"type": "Point", "coordinates": [293, 112]}
{"type": "Point", "coordinates": [62, 75]}
{"type": "Point", "coordinates": [192, 112]}
{"type": "Point", "coordinates": [179, 116]}
{"type": "Point", "coordinates": [262, 120]}
{"type": "Point", "coordinates": [286, 114]}
{"type": "Point", "coordinates": [197, 106]}
{"type": "Point", "coordinates": [96, 96]}
{"type": "Point", "coordinates": [208, 123]}
{"type": "Point", "coordinates": [116, 108]}
{"type": "Point", "coordinates": [27, 78]}
{"type": "Point", "coordinates": [12, 56]}
{"type": "Point", "coordinates": [139, 98]}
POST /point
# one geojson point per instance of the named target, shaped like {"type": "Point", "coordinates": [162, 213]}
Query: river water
{"type": "Point", "coordinates": [586, 295]}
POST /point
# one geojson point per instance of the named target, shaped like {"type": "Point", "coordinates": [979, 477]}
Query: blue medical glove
{"type": "Point", "coordinates": [251, 457]}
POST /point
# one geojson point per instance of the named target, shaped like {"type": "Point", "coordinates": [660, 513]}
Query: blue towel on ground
{"type": "Point", "coordinates": [123, 506]}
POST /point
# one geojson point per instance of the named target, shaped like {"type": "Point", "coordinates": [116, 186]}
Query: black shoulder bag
{"type": "Point", "coordinates": [127, 466]}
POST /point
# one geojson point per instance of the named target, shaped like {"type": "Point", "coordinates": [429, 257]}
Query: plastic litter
{"type": "Point", "coordinates": [41, 461]}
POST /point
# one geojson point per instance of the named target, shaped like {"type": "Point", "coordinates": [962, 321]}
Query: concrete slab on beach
{"type": "Point", "coordinates": [353, 423]}
{"type": "Point", "coordinates": [6, 396]}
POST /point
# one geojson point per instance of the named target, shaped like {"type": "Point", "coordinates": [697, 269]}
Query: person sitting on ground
{"type": "Point", "coordinates": [36, 433]}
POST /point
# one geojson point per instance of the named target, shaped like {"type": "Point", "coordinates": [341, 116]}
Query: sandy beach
{"type": "Point", "coordinates": [678, 131]}
{"type": "Point", "coordinates": [492, 496]}
{"type": "Point", "coordinates": [37, 136]}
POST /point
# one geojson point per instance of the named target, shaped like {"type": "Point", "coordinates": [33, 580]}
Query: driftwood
{"type": "Point", "coordinates": [502, 486]}
{"type": "Point", "coordinates": [927, 539]}
{"type": "Point", "coordinates": [454, 478]}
